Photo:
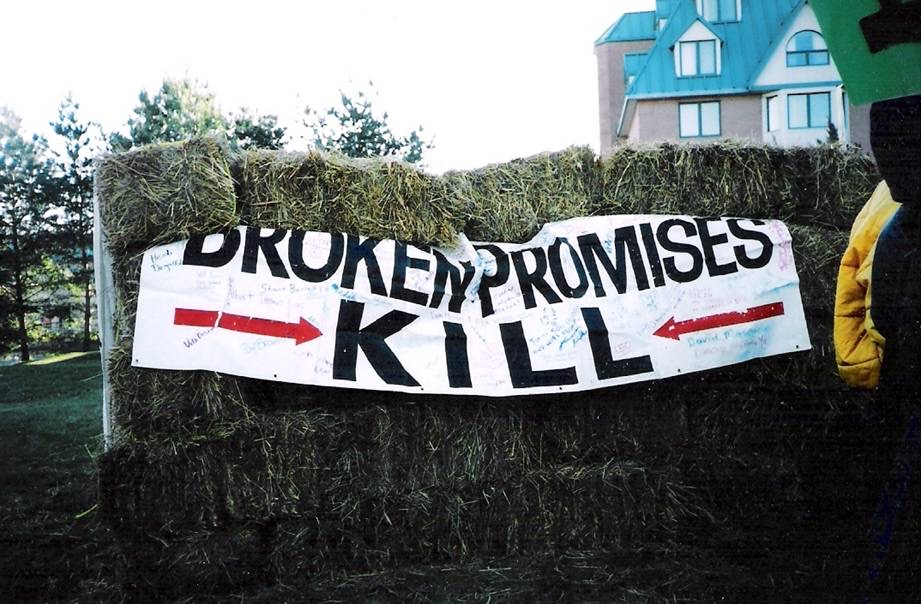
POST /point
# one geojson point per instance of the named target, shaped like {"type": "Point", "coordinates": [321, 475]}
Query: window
{"type": "Point", "coordinates": [772, 112]}
{"type": "Point", "coordinates": [807, 48]}
{"type": "Point", "coordinates": [718, 10]}
{"type": "Point", "coordinates": [699, 119]}
{"type": "Point", "coordinates": [811, 110]}
{"type": "Point", "coordinates": [697, 58]}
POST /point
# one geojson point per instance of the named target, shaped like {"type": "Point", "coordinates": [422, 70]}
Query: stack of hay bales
{"type": "Point", "coordinates": [222, 482]}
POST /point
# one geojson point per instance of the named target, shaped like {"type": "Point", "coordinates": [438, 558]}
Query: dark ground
{"type": "Point", "coordinates": [53, 548]}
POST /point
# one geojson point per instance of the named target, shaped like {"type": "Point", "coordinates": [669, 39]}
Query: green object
{"type": "Point", "coordinates": [876, 45]}
{"type": "Point", "coordinates": [355, 131]}
{"type": "Point", "coordinates": [183, 109]}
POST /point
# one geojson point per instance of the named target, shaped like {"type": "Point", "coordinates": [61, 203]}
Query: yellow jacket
{"type": "Point", "coordinates": [858, 346]}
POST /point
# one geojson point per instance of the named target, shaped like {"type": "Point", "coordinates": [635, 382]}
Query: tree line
{"type": "Point", "coordinates": [47, 295]}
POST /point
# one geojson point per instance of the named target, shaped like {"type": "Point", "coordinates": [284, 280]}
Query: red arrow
{"type": "Point", "coordinates": [674, 329]}
{"type": "Point", "coordinates": [300, 332]}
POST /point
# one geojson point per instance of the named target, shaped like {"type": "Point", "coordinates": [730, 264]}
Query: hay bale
{"type": "Point", "coordinates": [268, 479]}
{"type": "Point", "coordinates": [817, 252]}
{"type": "Point", "coordinates": [724, 179]}
{"type": "Point", "coordinates": [207, 563]}
{"type": "Point", "coordinates": [165, 192]}
{"type": "Point", "coordinates": [407, 479]}
{"type": "Point", "coordinates": [182, 404]}
{"type": "Point", "coordinates": [126, 267]}
{"type": "Point", "coordinates": [510, 202]}
{"type": "Point", "coordinates": [372, 483]}
{"type": "Point", "coordinates": [829, 184]}
{"type": "Point", "coordinates": [374, 198]}
{"type": "Point", "coordinates": [823, 185]}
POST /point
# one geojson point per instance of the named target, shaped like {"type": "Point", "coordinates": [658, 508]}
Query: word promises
{"type": "Point", "coordinates": [587, 303]}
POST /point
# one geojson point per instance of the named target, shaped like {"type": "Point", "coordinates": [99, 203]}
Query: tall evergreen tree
{"type": "Point", "coordinates": [257, 131]}
{"type": "Point", "coordinates": [179, 110]}
{"type": "Point", "coordinates": [82, 141]}
{"type": "Point", "coordinates": [356, 131]}
{"type": "Point", "coordinates": [26, 190]}
{"type": "Point", "coordinates": [185, 108]}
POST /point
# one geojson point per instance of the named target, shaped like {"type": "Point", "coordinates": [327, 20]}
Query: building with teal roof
{"type": "Point", "coordinates": [697, 70]}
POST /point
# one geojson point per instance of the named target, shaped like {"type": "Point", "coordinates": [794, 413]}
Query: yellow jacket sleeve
{"type": "Point", "coordinates": [858, 346]}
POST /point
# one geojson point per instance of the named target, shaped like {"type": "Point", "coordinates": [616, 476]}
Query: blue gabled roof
{"type": "Point", "coordinates": [631, 27]}
{"type": "Point", "coordinates": [779, 39]}
{"type": "Point", "coordinates": [745, 44]}
{"type": "Point", "coordinates": [665, 8]}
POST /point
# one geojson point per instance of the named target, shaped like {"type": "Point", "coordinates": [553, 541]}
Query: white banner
{"type": "Point", "coordinates": [587, 303]}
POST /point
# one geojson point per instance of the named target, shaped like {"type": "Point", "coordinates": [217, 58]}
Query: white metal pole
{"type": "Point", "coordinates": [105, 307]}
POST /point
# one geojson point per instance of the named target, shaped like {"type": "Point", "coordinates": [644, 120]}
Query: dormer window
{"type": "Point", "coordinates": [697, 53]}
{"type": "Point", "coordinates": [806, 48]}
{"type": "Point", "coordinates": [697, 58]}
{"type": "Point", "coordinates": [716, 11]}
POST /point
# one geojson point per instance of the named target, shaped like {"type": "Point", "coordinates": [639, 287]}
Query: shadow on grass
{"type": "Point", "coordinates": [51, 548]}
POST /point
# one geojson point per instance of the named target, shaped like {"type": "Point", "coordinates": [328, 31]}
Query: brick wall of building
{"type": "Point", "coordinates": [611, 86]}
{"type": "Point", "coordinates": [657, 120]}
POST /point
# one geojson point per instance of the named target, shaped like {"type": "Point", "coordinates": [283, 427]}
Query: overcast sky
{"type": "Point", "coordinates": [489, 80]}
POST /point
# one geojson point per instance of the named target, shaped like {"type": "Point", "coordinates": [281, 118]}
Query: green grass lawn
{"type": "Point", "coordinates": [50, 431]}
